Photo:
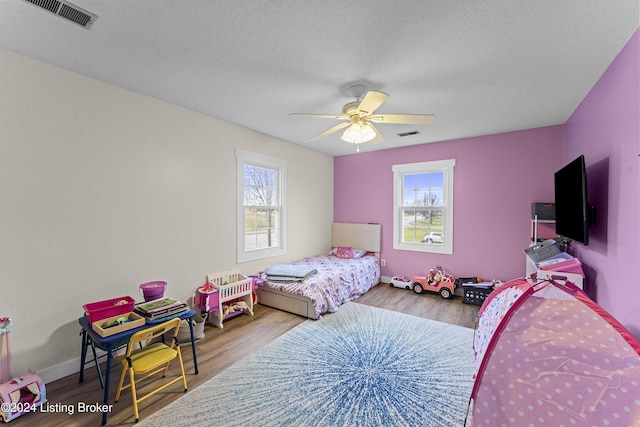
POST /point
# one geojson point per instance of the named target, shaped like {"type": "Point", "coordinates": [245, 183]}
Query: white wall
{"type": "Point", "coordinates": [103, 189]}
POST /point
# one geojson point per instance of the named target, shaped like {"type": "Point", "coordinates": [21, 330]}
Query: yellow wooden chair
{"type": "Point", "coordinates": [151, 360]}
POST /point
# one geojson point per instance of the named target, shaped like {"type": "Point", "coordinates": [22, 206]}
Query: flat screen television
{"type": "Point", "coordinates": [574, 214]}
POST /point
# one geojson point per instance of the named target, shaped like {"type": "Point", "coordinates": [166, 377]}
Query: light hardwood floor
{"type": "Point", "coordinates": [221, 348]}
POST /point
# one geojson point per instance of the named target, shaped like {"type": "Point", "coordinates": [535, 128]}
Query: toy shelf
{"type": "Point", "coordinates": [229, 294]}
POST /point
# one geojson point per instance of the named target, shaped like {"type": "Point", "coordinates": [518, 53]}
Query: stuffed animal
{"type": "Point", "coordinates": [234, 306]}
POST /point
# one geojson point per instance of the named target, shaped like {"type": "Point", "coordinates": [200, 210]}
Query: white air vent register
{"type": "Point", "coordinates": [66, 10]}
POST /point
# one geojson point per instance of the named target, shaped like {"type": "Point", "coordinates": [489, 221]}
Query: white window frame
{"type": "Point", "coordinates": [243, 158]}
{"type": "Point", "coordinates": [399, 171]}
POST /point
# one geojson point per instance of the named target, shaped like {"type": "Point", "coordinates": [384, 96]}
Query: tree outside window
{"type": "Point", "coordinates": [261, 206]}
{"type": "Point", "coordinates": [423, 206]}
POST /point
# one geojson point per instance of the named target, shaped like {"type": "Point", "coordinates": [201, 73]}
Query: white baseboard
{"type": "Point", "coordinates": [385, 279]}
{"type": "Point", "coordinates": [67, 368]}
{"type": "Point", "coordinates": [60, 371]}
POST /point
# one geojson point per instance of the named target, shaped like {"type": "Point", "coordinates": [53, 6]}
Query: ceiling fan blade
{"type": "Point", "coordinates": [321, 116]}
{"type": "Point", "coordinates": [404, 119]}
{"type": "Point", "coordinates": [371, 101]}
{"type": "Point", "coordinates": [378, 136]}
{"type": "Point", "coordinates": [330, 131]}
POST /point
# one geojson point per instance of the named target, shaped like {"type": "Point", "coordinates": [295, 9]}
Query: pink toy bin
{"type": "Point", "coordinates": [153, 290]}
{"type": "Point", "coordinates": [108, 308]}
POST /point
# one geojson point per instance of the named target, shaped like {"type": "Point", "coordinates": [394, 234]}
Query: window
{"type": "Point", "coordinates": [423, 206]}
{"type": "Point", "coordinates": [261, 206]}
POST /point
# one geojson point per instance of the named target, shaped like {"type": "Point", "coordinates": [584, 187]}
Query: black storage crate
{"type": "Point", "coordinates": [475, 295]}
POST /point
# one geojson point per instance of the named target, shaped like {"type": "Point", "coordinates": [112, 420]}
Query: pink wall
{"type": "Point", "coordinates": [497, 177]}
{"type": "Point", "coordinates": [606, 129]}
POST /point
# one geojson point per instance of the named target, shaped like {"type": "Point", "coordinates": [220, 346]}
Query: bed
{"type": "Point", "coordinates": [335, 281]}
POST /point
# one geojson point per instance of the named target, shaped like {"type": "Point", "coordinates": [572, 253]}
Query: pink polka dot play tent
{"type": "Point", "coordinates": [547, 355]}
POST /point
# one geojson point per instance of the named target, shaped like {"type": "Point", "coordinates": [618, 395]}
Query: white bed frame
{"type": "Point", "coordinates": [361, 236]}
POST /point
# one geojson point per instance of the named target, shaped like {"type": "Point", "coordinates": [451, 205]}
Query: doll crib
{"type": "Point", "coordinates": [225, 295]}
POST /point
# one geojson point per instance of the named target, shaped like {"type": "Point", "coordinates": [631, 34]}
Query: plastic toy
{"type": "Point", "coordinates": [18, 395]}
{"type": "Point", "coordinates": [400, 281]}
{"type": "Point", "coordinates": [437, 280]}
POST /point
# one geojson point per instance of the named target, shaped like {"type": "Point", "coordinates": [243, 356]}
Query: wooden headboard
{"type": "Point", "coordinates": [361, 236]}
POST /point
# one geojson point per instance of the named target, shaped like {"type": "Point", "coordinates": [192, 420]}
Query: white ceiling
{"type": "Point", "coordinates": [482, 67]}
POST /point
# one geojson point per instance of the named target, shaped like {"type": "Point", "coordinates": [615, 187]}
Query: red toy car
{"type": "Point", "coordinates": [437, 280]}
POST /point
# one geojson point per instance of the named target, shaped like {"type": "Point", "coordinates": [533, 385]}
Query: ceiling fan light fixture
{"type": "Point", "coordinates": [358, 118]}
{"type": "Point", "coordinates": [358, 133]}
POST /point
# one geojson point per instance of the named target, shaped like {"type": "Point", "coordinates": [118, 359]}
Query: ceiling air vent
{"type": "Point", "coordinates": [66, 10]}
{"type": "Point", "coordinates": [413, 132]}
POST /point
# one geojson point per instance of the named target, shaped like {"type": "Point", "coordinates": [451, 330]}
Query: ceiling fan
{"type": "Point", "coordinates": [359, 116]}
